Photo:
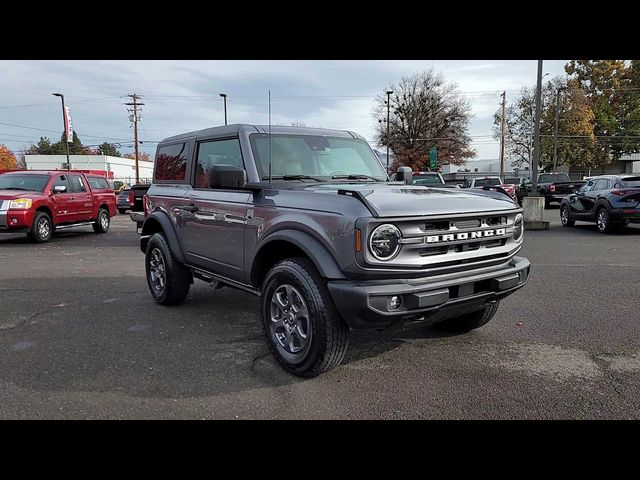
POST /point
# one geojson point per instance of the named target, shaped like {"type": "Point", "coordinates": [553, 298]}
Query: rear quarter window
{"type": "Point", "coordinates": [171, 163]}
{"type": "Point", "coordinates": [99, 183]}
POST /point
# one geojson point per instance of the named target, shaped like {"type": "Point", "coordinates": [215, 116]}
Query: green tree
{"type": "Point", "coordinates": [576, 140]}
{"type": "Point", "coordinates": [608, 84]}
{"type": "Point", "coordinates": [425, 112]}
{"type": "Point", "coordinates": [109, 149]}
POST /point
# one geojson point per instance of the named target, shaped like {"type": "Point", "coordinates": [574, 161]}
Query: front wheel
{"type": "Point", "coordinates": [565, 217]}
{"type": "Point", "coordinates": [304, 331]}
{"type": "Point", "coordinates": [42, 228]}
{"type": "Point", "coordinates": [469, 321]}
{"type": "Point", "coordinates": [103, 221]}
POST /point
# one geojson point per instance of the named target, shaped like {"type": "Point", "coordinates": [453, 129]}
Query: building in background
{"type": "Point", "coordinates": [114, 168]}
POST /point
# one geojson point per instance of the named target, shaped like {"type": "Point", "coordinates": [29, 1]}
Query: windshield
{"type": "Point", "coordinates": [427, 180]}
{"type": "Point", "coordinates": [554, 177]}
{"type": "Point", "coordinates": [314, 156]}
{"type": "Point", "coordinates": [31, 183]}
{"type": "Point", "coordinates": [487, 182]}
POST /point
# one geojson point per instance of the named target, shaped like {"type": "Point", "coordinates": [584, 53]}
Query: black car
{"type": "Point", "coordinates": [123, 201]}
{"type": "Point", "coordinates": [607, 200]}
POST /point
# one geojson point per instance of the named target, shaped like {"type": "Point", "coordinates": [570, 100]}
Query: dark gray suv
{"type": "Point", "coordinates": [308, 220]}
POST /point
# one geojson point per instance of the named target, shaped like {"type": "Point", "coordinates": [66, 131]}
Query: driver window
{"type": "Point", "coordinates": [587, 186]}
{"type": "Point", "coordinates": [60, 181]}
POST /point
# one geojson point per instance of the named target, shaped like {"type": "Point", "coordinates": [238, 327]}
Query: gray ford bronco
{"type": "Point", "coordinates": [308, 220]}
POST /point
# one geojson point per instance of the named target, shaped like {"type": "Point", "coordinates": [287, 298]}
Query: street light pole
{"type": "Point", "coordinates": [224, 95]}
{"type": "Point", "coordinates": [66, 132]}
{"type": "Point", "coordinates": [555, 130]}
{"type": "Point", "coordinates": [389, 92]}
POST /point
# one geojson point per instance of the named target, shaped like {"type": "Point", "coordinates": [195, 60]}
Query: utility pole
{"type": "Point", "coordinates": [134, 118]}
{"type": "Point", "coordinates": [555, 130]}
{"type": "Point", "coordinates": [224, 95]}
{"type": "Point", "coordinates": [502, 133]}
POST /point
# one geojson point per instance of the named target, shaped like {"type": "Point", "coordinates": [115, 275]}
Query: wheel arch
{"type": "Point", "coordinates": [288, 243]}
{"type": "Point", "coordinates": [159, 222]}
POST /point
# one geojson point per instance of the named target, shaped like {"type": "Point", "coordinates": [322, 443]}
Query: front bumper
{"type": "Point", "coordinates": [363, 304]}
{"type": "Point", "coordinates": [14, 220]}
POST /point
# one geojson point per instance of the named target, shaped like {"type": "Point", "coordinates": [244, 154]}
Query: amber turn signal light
{"type": "Point", "coordinates": [358, 238]}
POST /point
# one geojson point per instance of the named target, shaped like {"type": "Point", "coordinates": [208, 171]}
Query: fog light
{"type": "Point", "coordinates": [14, 221]}
{"type": "Point", "coordinates": [394, 302]}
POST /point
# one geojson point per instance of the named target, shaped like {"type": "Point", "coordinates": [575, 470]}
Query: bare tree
{"type": "Point", "coordinates": [425, 112]}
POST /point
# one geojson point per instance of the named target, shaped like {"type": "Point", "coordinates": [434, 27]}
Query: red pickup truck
{"type": "Point", "coordinates": [41, 202]}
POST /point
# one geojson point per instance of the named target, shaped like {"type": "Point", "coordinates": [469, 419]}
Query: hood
{"type": "Point", "coordinates": [12, 194]}
{"type": "Point", "coordinates": [388, 200]}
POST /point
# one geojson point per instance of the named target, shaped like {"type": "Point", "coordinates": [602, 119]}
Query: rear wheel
{"type": "Point", "coordinates": [304, 331]}
{"type": "Point", "coordinates": [547, 202]}
{"type": "Point", "coordinates": [122, 211]}
{"type": "Point", "coordinates": [565, 217]}
{"type": "Point", "coordinates": [102, 222]}
{"type": "Point", "coordinates": [168, 280]}
{"type": "Point", "coordinates": [42, 228]}
{"type": "Point", "coordinates": [469, 321]}
{"type": "Point", "coordinates": [603, 221]}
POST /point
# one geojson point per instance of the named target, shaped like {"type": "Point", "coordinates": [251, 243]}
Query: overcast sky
{"type": "Point", "coordinates": [181, 96]}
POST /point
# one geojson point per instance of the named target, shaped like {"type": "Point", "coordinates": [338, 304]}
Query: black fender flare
{"type": "Point", "coordinates": [316, 251]}
{"type": "Point", "coordinates": [602, 202]}
{"type": "Point", "coordinates": [150, 226]}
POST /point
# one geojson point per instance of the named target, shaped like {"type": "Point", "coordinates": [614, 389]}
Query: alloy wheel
{"type": "Point", "coordinates": [290, 324]}
{"type": "Point", "coordinates": [157, 271]}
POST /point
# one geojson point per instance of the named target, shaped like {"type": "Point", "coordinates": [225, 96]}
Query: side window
{"type": "Point", "coordinates": [76, 184]}
{"type": "Point", "coordinates": [60, 181]}
{"type": "Point", "coordinates": [602, 184]}
{"type": "Point", "coordinates": [217, 152]}
{"type": "Point", "coordinates": [98, 183]}
{"type": "Point", "coordinates": [171, 163]}
{"type": "Point", "coordinates": [587, 187]}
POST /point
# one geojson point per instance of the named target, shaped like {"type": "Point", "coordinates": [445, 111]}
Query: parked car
{"type": "Point", "coordinates": [308, 220]}
{"type": "Point", "coordinates": [427, 179]}
{"type": "Point", "coordinates": [552, 186]}
{"type": "Point", "coordinates": [137, 200]}
{"type": "Point", "coordinates": [489, 183]}
{"type": "Point", "coordinates": [41, 202]}
{"type": "Point", "coordinates": [609, 200]}
{"type": "Point", "coordinates": [123, 201]}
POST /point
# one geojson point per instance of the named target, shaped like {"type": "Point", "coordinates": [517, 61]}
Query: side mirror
{"type": "Point", "coordinates": [226, 176]}
{"type": "Point", "coordinates": [404, 174]}
{"type": "Point", "coordinates": [59, 189]}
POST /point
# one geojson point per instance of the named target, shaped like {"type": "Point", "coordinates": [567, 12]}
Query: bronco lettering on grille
{"type": "Point", "coordinates": [466, 235]}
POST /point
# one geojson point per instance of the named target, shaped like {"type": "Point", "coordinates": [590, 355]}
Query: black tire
{"type": "Point", "coordinates": [327, 334]}
{"type": "Point", "coordinates": [547, 203]}
{"type": "Point", "coordinates": [122, 211]}
{"type": "Point", "coordinates": [470, 321]}
{"type": "Point", "coordinates": [103, 221]}
{"type": "Point", "coordinates": [177, 278]}
{"type": "Point", "coordinates": [42, 228]}
{"type": "Point", "coordinates": [565, 216]}
{"type": "Point", "coordinates": [603, 222]}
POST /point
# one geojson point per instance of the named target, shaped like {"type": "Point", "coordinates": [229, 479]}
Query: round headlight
{"type": "Point", "coordinates": [384, 242]}
{"type": "Point", "coordinates": [518, 227]}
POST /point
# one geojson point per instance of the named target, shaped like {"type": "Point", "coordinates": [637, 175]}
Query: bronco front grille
{"type": "Point", "coordinates": [462, 242]}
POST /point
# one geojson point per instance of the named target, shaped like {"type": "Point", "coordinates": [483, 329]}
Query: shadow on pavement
{"type": "Point", "coordinates": [107, 335]}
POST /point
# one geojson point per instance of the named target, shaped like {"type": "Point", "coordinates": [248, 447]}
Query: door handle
{"type": "Point", "coordinates": [188, 208]}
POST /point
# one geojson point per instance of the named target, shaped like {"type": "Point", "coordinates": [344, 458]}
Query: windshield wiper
{"type": "Point", "coordinates": [293, 177]}
{"type": "Point", "coordinates": [357, 176]}
{"type": "Point", "coordinates": [17, 188]}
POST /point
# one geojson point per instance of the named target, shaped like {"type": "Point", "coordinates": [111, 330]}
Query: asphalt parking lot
{"type": "Point", "coordinates": [80, 337]}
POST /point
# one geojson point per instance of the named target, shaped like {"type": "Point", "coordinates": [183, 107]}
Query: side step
{"type": "Point", "coordinates": [73, 225]}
